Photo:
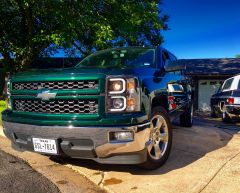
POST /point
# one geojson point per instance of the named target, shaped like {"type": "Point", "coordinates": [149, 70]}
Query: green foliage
{"type": "Point", "coordinates": [29, 28]}
{"type": "Point", "coordinates": [26, 28]}
{"type": "Point", "coordinates": [238, 56]}
{"type": "Point", "coordinates": [3, 106]}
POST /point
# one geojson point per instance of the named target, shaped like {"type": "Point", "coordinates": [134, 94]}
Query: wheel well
{"type": "Point", "coordinates": [160, 101]}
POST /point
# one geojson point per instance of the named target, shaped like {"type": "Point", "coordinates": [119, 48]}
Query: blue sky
{"type": "Point", "coordinates": [203, 28]}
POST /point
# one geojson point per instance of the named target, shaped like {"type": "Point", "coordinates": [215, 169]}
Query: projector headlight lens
{"type": "Point", "coordinates": [116, 86]}
{"type": "Point", "coordinates": [117, 103]}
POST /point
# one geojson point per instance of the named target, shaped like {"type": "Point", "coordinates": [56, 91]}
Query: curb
{"type": "Point", "coordinates": [63, 176]}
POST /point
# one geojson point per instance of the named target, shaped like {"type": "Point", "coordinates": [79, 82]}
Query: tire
{"type": "Point", "coordinates": [186, 119]}
{"type": "Point", "coordinates": [226, 118]}
{"type": "Point", "coordinates": [213, 113]}
{"type": "Point", "coordinates": [160, 139]}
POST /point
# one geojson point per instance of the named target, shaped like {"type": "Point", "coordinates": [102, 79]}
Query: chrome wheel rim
{"type": "Point", "coordinates": [159, 135]}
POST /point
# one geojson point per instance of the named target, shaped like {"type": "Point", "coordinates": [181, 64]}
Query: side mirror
{"type": "Point", "coordinates": [158, 75]}
{"type": "Point", "coordinates": [160, 72]}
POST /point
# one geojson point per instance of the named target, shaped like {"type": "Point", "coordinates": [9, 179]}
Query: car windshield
{"type": "Point", "coordinates": [120, 58]}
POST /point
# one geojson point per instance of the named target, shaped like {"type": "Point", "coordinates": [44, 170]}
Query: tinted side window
{"type": "Point", "coordinates": [172, 57]}
{"type": "Point", "coordinates": [175, 88]}
{"type": "Point", "coordinates": [175, 72]}
{"type": "Point", "coordinates": [165, 57]}
{"type": "Point", "coordinates": [227, 84]}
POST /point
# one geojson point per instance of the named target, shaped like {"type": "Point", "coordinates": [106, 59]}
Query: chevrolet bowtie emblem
{"type": "Point", "coordinates": [46, 95]}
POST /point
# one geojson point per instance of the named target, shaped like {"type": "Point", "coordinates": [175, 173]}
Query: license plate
{"type": "Point", "coordinates": [45, 145]}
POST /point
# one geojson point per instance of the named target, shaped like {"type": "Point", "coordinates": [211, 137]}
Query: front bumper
{"type": "Point", "coordinates": [84, 142]}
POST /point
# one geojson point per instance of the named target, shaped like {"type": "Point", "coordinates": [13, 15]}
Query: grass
{"type": "Point", "coordinates": [3, 106]}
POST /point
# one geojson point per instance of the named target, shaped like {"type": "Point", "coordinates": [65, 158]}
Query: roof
{"type": "Point", "coordinates": [209, 67]}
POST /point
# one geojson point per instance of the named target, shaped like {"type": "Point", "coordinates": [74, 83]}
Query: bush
{"type": "Point", "coordinates": [3, 105]}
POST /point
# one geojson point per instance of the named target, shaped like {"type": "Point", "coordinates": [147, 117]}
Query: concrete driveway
{"type": "Point", "coordinates": [204, 158]}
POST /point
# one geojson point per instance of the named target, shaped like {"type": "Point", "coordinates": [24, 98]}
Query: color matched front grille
{"type": "Point", "coordinates": [56, 85]}
{"type": "Point", "coordinates": [56, 106]}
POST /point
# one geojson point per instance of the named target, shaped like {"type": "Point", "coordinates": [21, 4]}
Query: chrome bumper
{"type": "Point", "coordinates": [84, 142]}
{"type": "Point", "coordinates": [233, 110]}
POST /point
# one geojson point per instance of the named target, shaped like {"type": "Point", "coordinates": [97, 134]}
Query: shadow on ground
{"type": "Point", "coordinates": [189, 145]}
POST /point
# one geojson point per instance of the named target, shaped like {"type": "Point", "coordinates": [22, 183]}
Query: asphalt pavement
{"type": "Point", "coordinates": [17, 176]}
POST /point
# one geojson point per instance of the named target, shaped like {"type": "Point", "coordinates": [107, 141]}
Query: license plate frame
{"type": "Point", "coordinates": [45, 145]}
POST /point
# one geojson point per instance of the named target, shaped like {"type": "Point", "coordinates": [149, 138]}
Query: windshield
{"type": "Point", "coordinates": [120, 58]}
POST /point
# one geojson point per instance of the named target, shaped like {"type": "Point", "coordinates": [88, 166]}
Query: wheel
{"type": "Point", "coordinates": [213, 113]}
{"type": "Point", "coordinates": [186, 119]}
{"type": "Point", "coordinates": [160, 140]}
{"type": "Point", "coordinates": [226, 118]}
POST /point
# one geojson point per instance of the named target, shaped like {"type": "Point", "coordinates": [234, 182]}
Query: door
{"type": "Point", "coordinates": [179, 97]}
{"type": "Point", "coordinates": [206, 88]}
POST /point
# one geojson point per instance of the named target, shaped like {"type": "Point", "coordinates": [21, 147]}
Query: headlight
{"type": "Point", "coordinates": [116, 86]}
{"type": "Point", "coordinates": [123, 95]}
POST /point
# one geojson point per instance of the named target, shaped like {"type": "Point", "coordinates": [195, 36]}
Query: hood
{"type": "Point", "coordinates": [70, 73]}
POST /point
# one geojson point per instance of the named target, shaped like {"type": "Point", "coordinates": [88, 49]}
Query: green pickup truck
{"type": "Point", "coordinates": [114, 107]}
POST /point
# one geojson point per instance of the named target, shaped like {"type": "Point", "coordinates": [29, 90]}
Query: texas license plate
{"type": "Point", "coordinates": [45, 145]}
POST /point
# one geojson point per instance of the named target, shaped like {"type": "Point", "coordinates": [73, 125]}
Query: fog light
{"type": "Point", "coordinates": [121, 136]}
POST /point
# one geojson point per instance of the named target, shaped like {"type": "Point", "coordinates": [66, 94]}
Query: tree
{"type": "Point", "coordinates": [112, 23]}
{"type": "Point", "coordinates": [238, 56]}
{"type": "Point", "coordinates": [26, 28]}
{"type": "Point", "coordinates": [29, 28]}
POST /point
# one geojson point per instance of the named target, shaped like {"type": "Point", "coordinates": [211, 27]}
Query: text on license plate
{"type": "Point", "coordinates": [44, 145]}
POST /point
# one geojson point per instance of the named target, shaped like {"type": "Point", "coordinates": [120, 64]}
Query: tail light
{"type": "Point", "coordinates": [171, 102]}
{"type": "Point", "coordinates": [230, 101]}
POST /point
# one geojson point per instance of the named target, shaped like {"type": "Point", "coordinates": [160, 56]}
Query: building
{"type": "Point", "coordinates": [208, 75]}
